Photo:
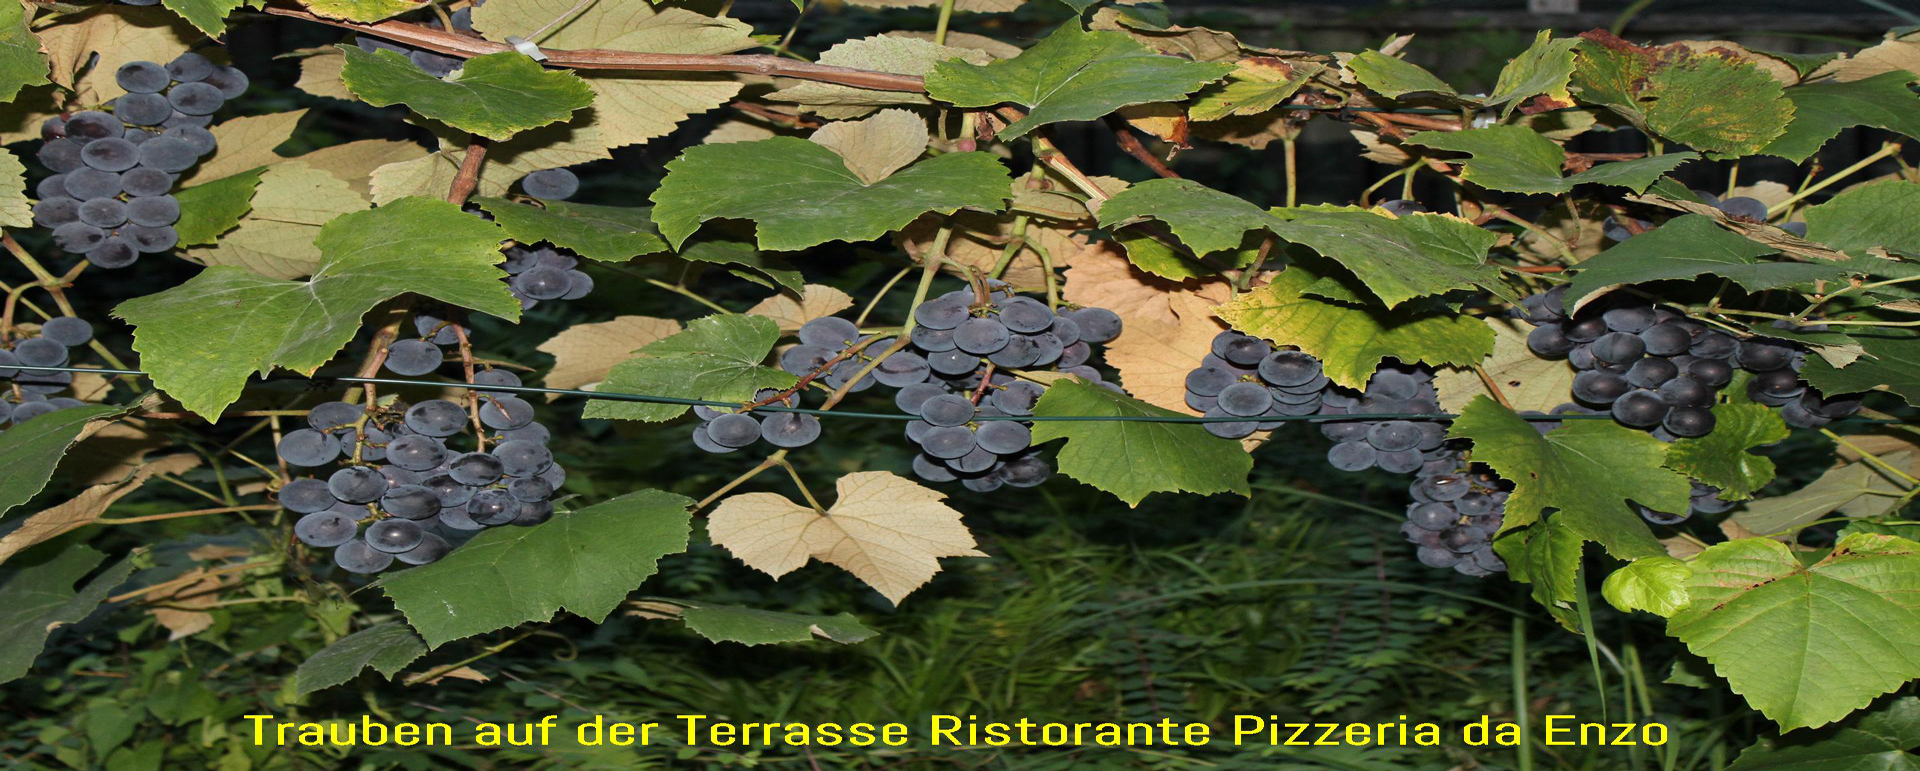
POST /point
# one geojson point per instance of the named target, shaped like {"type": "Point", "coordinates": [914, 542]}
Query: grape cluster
{"type": "Point", "coordinates": [1457, 508]}
{"type": "Point", "coordinates": [1651, 368]}
{"type": "Point", "coordinates": [32, 393]}
{"type": "Point", "coordinates": [1776, 382]}
{"type": "Point", "coordinates": [1393, 445]}
{"type": "Point", "coordinates": [110, 196]}
{"type": "Point", "coordinates": [1704, 499]}
{"type": "Point", "coordinates": [417, 496]}
{"type": "Point", "coordinates": [726, 431]}
{"type": "Point", "coordinates": [434, 64]}
{"type": "Point", "coordinates": [536, 273]}
{"type": "Point", "coordinates": [1244, 377]}
{"type": "Point", "coordinates": [1741, 206]}
{"type": "Point", "coordinates": [954, 375]}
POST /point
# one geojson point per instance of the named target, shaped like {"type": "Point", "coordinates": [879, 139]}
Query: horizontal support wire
{"type": "Point", "coordinates": [615, 396]}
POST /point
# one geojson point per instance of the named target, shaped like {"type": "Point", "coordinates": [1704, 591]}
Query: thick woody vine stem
{"type": "Point", "coordinates": [451, 44]}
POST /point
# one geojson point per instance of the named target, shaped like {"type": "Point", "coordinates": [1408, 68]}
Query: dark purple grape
{"type": "Point", "coordinates": [551, 184]}
{"type": "Point", "coordinates": [142, 77]}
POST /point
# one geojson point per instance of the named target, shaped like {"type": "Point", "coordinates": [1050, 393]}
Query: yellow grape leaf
{"type": "Point", "coordinates": [1528, 381]}
{"type": "Point", "coordinates": [359, 10]}
{"type": "Point", "coordinates": [119, 34]}
{"type": "Point", "coordinates": [275, 238]}
{"type": "Point", "coordinates": [245, 144]}
{"type": "Point", "coordinates": [815, 301]}
{"type": "Point", "coordinates": [885, 530]}
{"type": "Point", "coordinates": [583, 354]}
{"type": "Point", "coordinates": [355, 162]}
{"type": "Point", "coordinates": [1889, 55]}
{"type": "Point", "coordinates": [874, 148]}
{"type": "Point", "coordinates": [1154, 355]}
{"type": "Point", "coordinates": [629, 107]}
{"type": "Point", "coordinates": [89, 504]}
{"type": "Point", "coordinates": [1103, 277]}
{"type": "Point", "coordinates": [320, 72]}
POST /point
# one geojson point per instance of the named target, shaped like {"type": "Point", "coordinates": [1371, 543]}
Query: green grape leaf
{"type": "Point", "coordinates": [29, 451]}
{"type": "Point", "coordinates": [36, 598]}
{"type": "Point", "coordinates": [607, 233]}
{"type": "Point", "coordinates": [495, 96]}
{"type": "Point", "coordinates": [387, 648]}
{"type": "Point", "coordinates": [208, 15]}
{"type": "Point", "coordinates": [1789, 635]}
{"type": "Point", "coordinates": [1398, 258]}
{"type": "Point", "coordinates": [1821, 110]}
{"type": "Point", "coordinates": [1883, 214]}
{"type": "Point", "coordinates": [15, 211]}
{"type": "Point", "coordinates": [1394, 77]}
{"type": "Point", "coordinates": [802, 194]}
{"type": "Point", "coordinates": [1132, 460]}
{"type": "Point", "coordinates": [1846, 749]}
{"type": "Point", "coordinates": [1722, 459]}
{"type": "Point", "coordinates": [1836, 489]}
{"type": "Point", "coordinates": [717, 358]}
{"type": "Point", "coordinates": [1657, 585]}
{"type": "Point", "coordinates": [1891, 361]}
{"type": "Point", "coordinates": [1351, 340]}
{"type": "Point", "coordinates": [1587, 469]}
{"type": "Point", "coordinates": [1156, 254]}
{"type": "Point", "coordinates": [1686, 247]}
{"type": "Point", "coordinates": [1546, 555]}
{"type": "Point", "coordinates": [1517, 159]}
{"type": "Point", "coordinates": [584, 562]}
{"type": "Point", "coordinates": [1259, 85]}
{"type": "Point", "coordinates": [1072, 74]}
{"type": "Point", "coordinates": [1205, 219]}
{"type": "Point", "coordinates": [1722, 106]}
{"type": "Point", "coordinates": [1543, 69]}
{"type": "Point", "coordinates": [210, 209]}
{"type": "Point", "coordinates": [22, 61]}
{"type": "Point", "coordinates": [748, 626]}
{"type": "Point", "coordinates": [741, 254]}
{"type": "Point", "coordinates": [359, 10]}
{"type": "Point", "coordinates": [200, 340]}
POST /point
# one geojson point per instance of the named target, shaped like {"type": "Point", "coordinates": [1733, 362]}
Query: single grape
{"type": "Point", "coordinates": [395, 475]}
{"type": "Point", "coordinates": [307, 447]}
{"type": "Point", "coordinates": [1394, 436]}
{"type": "Point", "coordinates": [54, 212]}
{"type": "Point", "coordinates": [357, 557]}
{"type": "Point", "coordinates": [105, 213]}
{"type": "Point", "coordinates": [931, 469]}
{"type": "Point", "coordinates": [1241, 350]}
{"type": "Point", "coordinates": [410, 501]}
{"type": "Point", "coordinates": [981, 336]}
{"type": "Point", "coordinates": [542, 283]}
{"type": "Point", "coordinates": [1688, 421]}
{"type": "Point", "coordinates": [357, 484]}
{"type": "Point", "coordinates": [1019, 352]}
{"type": "Point", "coordinates": [786, 429]}
{"type": "Point", "coordinates": [1744, 208]}
{"type": "Point", "coordinates": [578, 285]}
{"type": "Point", "coordinates": [412, 358]}
{"type": "Point", "coordinates": [1550, 341]}
{"type": "Point", "coordinates": [196, 98]}
{"type": "Point", "coordinates": [1639, 409]}
{"type": "Point", "coordinates": [976, 461]}
{"type": "Point", "coordinates": [142, 77]}
{"type": "Point", "coordinates": [146, 182]}
{"type": "Point", "coordinates": [952, 363]}
{"type": "Point", "coordinates": [436, 417]}
{"type": "Point", "coordinates": [1097, 325]}
{"type": "Point", "coordinates": [1352, 456]}
{"type": "Point", "coordinates": [1778, 385]}
{"type": "Point", "coordinates": [190, 67]}
{"type": "Point", "coordinates": [1761, 356]}
{"type": "Point", "coordinates": [230, 80]}
{"type": "Point", "coordinates": [1651, 371]}
{"type": "Point", "coordinates": [202, 140]}
{"type": "Point", "coordinates": [147, 240]}
{"type": "Point", "coordinates": [1003, 437]}
{"type": "Point", "coordinates": [1632, 320]}
{"type": "Point", "coordinates": [831, 332]}
{"type": "Point", "coordinates": [1025, 315]}
{"type": "Point", "coordinates": [551, 184]}
{"type": "Point", "coordinates": [947, 410]}
{"type": "Point", "coordinates": [449, 492]}
{"type": "Point", "coordinates": [416, 452]}
{"type": "Point", "coordinates": [1018, 397]}
{"type": "Point", "coordinates": [1684, 392]}
{"type": "Point", "coordinates": [305, 496]}
{"type": "Point", "coordinates": [1393, 385]}
{"type": "Point", "coordinates": [325, 529]}
{"type": "Point", "coordinates": [142, 110]}
{"type": "Point", "coordinates": [113, 252]}
{"type": "Point", "coordinates": [1074, 355]}
{"type": "Point", "coordinates": [1714, 345]}
{"type": "Point", "coordinates": [734, 430]}
{"type": "Point", "coordinates": [475, 468]}
{"type": "Point", "coordinates": [168, 154]}
{"type": "Point", "coordinates": [1619, 348]}
{"type": "Point", "coordinates": [1668, 339]}
{"type": "Point", "coordinates": [1597, 387]}
{"type": "Point", "coordinates": [902, 369]}
{"type": "Point", "coordinates": [941, 312]}
{"type": "Point", "coordinates": [88, 126]}
{"type": "Point", "coordinates": [1210, 381]}
{"type": "Point", "coordinates": [530, 490]}
{"type": "Point", "coordinates": [947, 442]}
{"type": "Point", "coordinates": [521, 458]}
{"type": "Point", "coordinates": [910, 398]}
{"type": "Point", "coordinates": [394, 535]}
{"type": "Point", "coordinates": [1243, 398]}
{"type": "Point", "coordinates": [153, 211]}
{"type": "Point", "coordinates": [496, 378]}
{"type": "Point", "coordinates": [69, 331]}
{"type": "Point", "coordinates": [703, 440]}
{"type": "Point", "coordinates": [1235, 429]}
{"type": "Point", "coordinates": [432, 547]}
{"type": "Point", "coordinates": [493, 507]}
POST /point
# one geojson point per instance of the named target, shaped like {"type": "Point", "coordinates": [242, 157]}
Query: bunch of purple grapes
{"type": "Point", "coordinates": [1457, 509]}
{"type": "Point", "coordinates": [725, 431]}
{"type": "Point", "coordinates": [1649, 367]}
{"type": "Point", "coordinates": [538, 273]}
{"type": "Point", "coordinates": [110, 196]}
{"type": "Point", "coordinates": [417, 496]}
{"type": "Point", "coordinates": [32, 394]}
{"type": "Point", "coordinates": [1244, 377]}
{"type": "Point", "coordinates": [955, 375]}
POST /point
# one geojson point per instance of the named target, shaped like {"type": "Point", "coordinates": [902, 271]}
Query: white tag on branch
{"type": "Point", "coordinates": [887, 531]}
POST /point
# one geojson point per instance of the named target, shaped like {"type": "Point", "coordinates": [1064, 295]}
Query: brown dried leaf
{"type": "Point", "coordinates": [1154, 355]}
{"type": "Point", "coordinates": [1901, 53]}
{"type": "Point", "coordinates": [814, 302]}
{"type": "Point", "coordinates": [583, 354]}
{"type": "Point", "coordinates": [88, 505]}
{"type": "Point", "coordinates": [1787, 243]}
{"type": "Point", "coordinates": [887, 531]}
{"type": "Point", "coordinates": [1103, 277]}
{"type": "Point", "coordinates": [119, 34]}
